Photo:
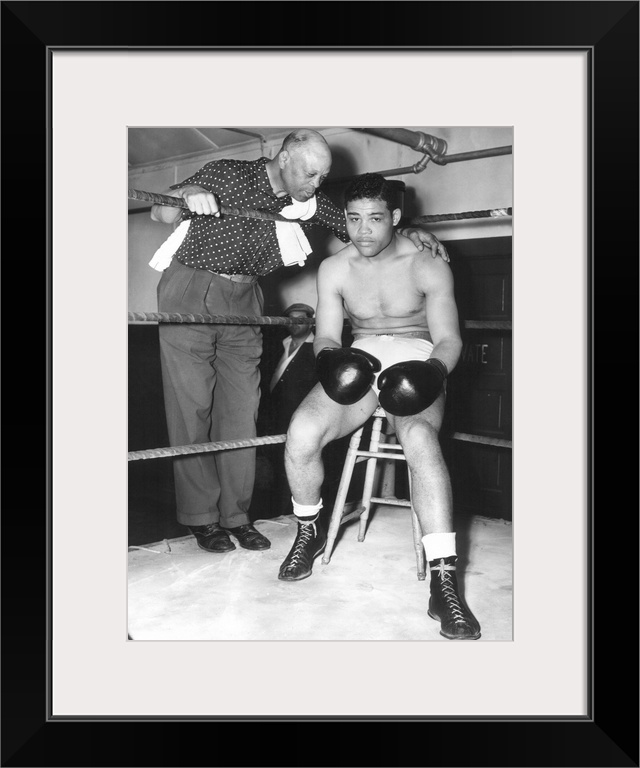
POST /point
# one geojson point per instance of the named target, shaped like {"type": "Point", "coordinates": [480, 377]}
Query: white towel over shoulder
{"type": "Point", "coordinates": [162, 257]}
{"type": "Point", "coordinates": [294, 246]}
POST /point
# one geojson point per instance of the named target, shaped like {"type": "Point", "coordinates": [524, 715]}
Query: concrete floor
{"type": "Point", "coordinates": [369, 590]}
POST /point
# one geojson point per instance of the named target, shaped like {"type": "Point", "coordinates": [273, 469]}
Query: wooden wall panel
{"type": "Point", "coordinates": [480, 394]}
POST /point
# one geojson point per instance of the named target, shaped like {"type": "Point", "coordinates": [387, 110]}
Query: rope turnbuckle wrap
{"type": "Point", "coordinates": [176, 317]}
{"type": "Point", "coordinates": [225, 210]}
{"type": "Point", "coordinates": [491, 213]}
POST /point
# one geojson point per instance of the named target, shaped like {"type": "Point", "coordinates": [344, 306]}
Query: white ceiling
{"type": "Point", "coordinates": [151, 146]}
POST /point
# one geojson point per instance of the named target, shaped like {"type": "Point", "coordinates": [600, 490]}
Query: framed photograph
{"type": "Point", "coordinates": [562, 77]}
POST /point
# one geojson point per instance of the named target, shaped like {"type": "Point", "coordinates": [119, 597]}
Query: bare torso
{"type": "Point", "coordinates": [384, 296]}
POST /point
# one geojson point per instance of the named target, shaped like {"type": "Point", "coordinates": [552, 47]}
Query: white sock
{"type": "Point", "coordinates": [437, 545]}
{"type": "Point", "coordinates": [307, 512]}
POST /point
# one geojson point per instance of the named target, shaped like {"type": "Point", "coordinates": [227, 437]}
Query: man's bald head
{"type": "Point", "coordinates": [305, 139]}
{"type": "Point", "coordinates": [304, 162]}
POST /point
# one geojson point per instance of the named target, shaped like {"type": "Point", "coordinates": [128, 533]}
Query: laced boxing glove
{"type": "Point", "coordinates": [346, 373]}
{"type": "Point", "coordinates": [410, 387]}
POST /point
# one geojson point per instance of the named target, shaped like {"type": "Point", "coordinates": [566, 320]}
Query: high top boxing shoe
{"type": "Point", "coordinates": [310, 541]}
{"type": "Point", "coordinates": [445, 605]}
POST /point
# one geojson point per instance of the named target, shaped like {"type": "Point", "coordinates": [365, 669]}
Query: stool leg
{"type": "Point", "coordinates": [388, 484]}
{"type": "Point", "coordinates": [421, 558]}
{"type": "Point", "coordinates": [369, 476]}
{"type": "Point", "coordinates": [343, 488]}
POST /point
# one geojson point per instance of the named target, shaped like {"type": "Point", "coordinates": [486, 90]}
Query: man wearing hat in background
{"type": "Point", "coordinates": [295, 374]}
{"type": "Point", "coordinates": [292, 379]}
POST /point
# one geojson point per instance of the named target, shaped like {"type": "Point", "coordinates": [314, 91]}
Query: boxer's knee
{"type": "Point", "coordinates": [418, 436]}
{"type": "Point", "coordinates": [305, 435]}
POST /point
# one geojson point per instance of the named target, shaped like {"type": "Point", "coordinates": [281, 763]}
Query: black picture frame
{"type": "Point", "coordinates": [608, 736]}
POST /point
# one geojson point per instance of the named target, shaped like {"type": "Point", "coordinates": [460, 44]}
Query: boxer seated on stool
{"type": "Point", "coordinates": [404, 322]}
{"type": "Point", "coordinates": [211, 264]}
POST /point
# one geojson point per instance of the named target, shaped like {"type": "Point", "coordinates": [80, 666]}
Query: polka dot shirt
{"type": "Point", "coordinates": [243, 246]}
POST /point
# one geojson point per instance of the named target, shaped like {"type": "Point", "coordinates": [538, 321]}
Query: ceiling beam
{"type": "Point", "coordinates": [249, 133]}
{"type": "Point", "coordinates": [206, 138]}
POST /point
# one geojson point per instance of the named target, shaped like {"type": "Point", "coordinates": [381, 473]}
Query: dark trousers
{"type": "Point", "coordinates": [211, 385]}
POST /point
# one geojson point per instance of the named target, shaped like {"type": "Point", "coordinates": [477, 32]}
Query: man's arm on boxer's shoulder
{"type": "Point", "coordinates": [436, 280]}
{"type": "Point", "coordinates": [423, 239]}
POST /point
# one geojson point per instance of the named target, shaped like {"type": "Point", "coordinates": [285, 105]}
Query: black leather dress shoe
{"type": "Point", "coordinates": [212, 538]}
{"type": "Point", "coordinates": [249, 538]}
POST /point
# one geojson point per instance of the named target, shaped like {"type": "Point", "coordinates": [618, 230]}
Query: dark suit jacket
{"type": "Point", "coordinates": [298, 378]}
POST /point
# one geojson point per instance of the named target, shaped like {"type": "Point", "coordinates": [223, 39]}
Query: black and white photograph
{"type": "Point", "coordinates": [320, 383]}
{"type": "Point", "coordinates": [321, 423]}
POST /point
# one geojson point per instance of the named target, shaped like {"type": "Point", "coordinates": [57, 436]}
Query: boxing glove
{"type": "Point", "coordinates": [346, 373]}
{"type": "Point", "coordinates": [410, 387]}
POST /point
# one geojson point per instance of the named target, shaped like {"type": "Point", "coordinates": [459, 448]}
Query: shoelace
{"type": "Point", "coordinates": [305, 532]}
{"type": "Point", "coordinates": [450, 596]}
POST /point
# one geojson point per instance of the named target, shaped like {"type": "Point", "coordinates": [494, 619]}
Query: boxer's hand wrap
{"type": "Point", "coordinates": [410, 387]}
{"type": "Point", "coordinates": [346, 373]}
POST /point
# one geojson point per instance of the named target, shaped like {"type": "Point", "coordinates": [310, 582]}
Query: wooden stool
{"type": "Point", "coordinates": [378, 450]}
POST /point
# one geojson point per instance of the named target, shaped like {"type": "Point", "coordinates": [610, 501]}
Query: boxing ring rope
{"type": "Point", "coordinates": [178, 202]}
{"type": "Point", "coordinates": [228, 445]}
{"type": "Point", "coordinates": [222, 445]}
{"type": "Point", "coordinates": [491, 325]}
{"type": "Point", "coordinates": [495, 441]}
{"type": "Point", "coordinates": [176, 317]}
{"type": "Point", "coordinates": [225, 210]}
{"type": "Point", "coordinates": [492, 213]}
